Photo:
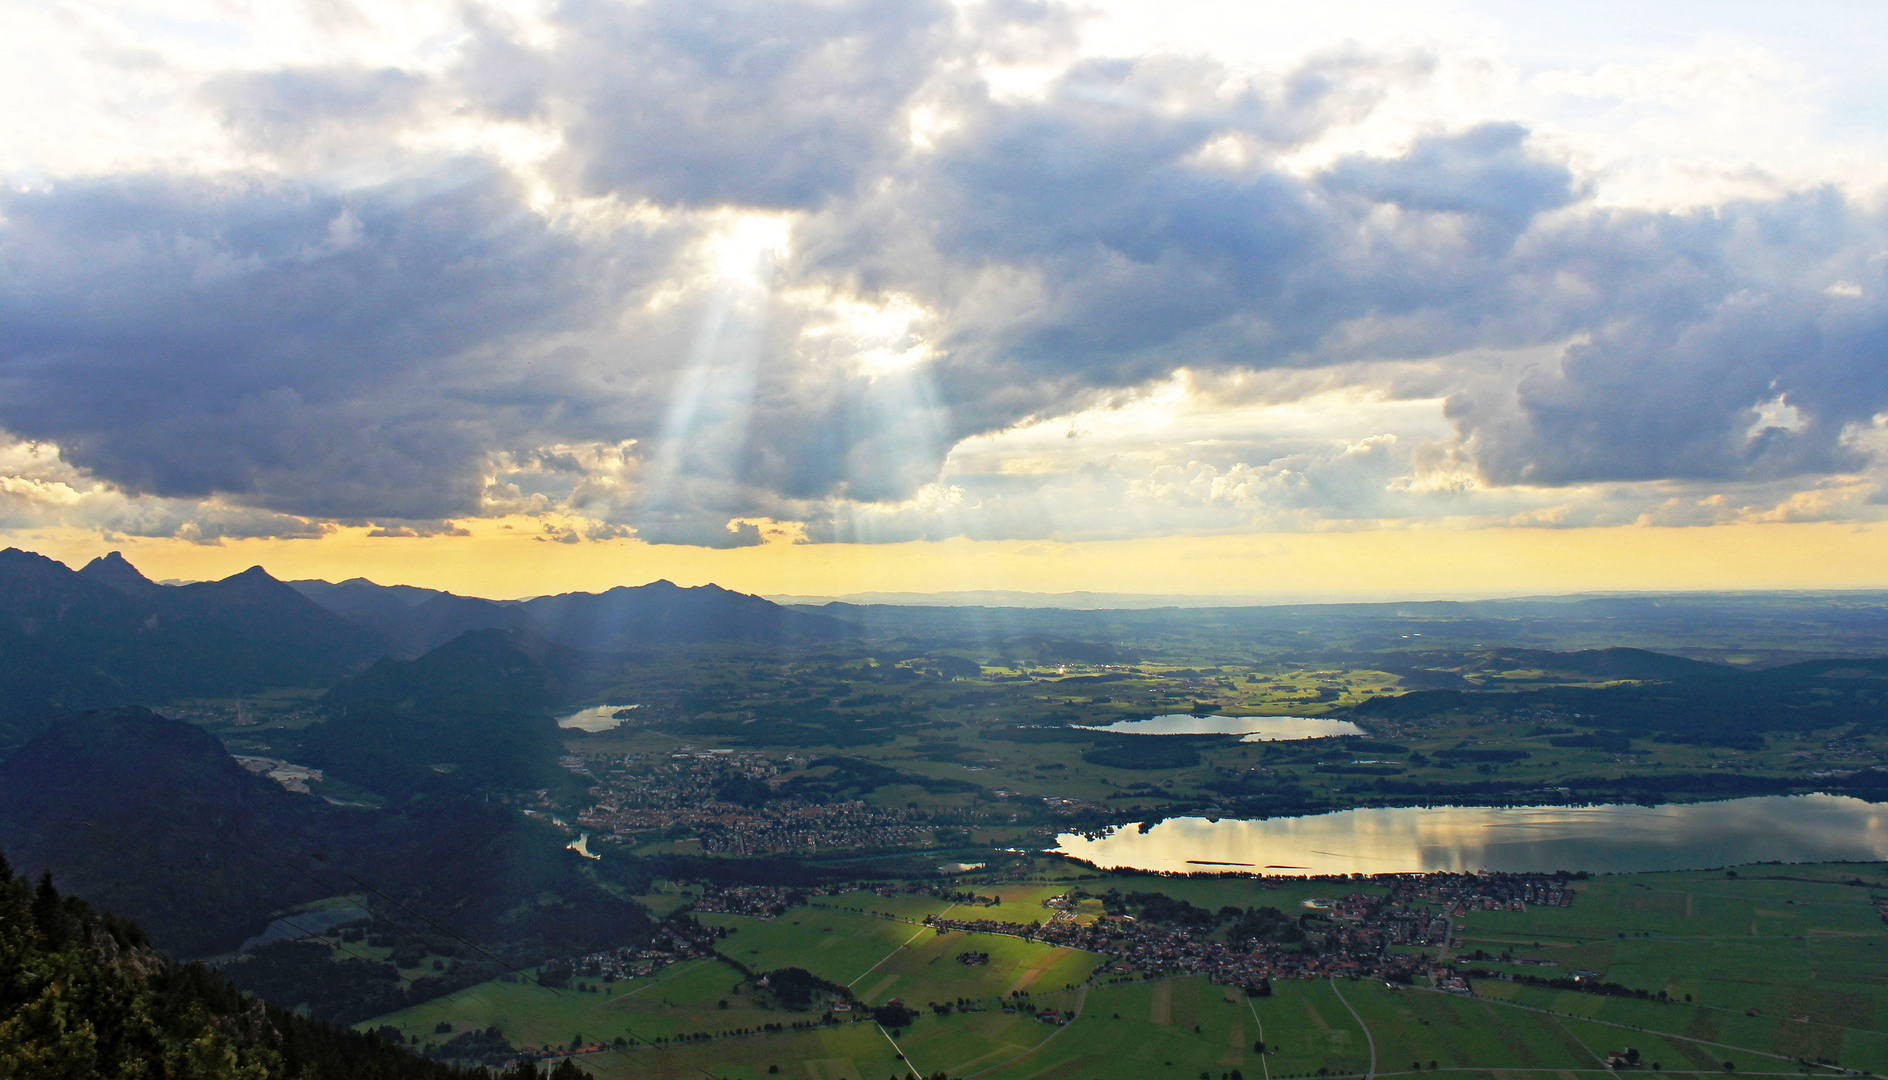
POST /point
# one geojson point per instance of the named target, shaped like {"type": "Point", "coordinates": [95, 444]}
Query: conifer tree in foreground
{"type": "Point", "coordinates": [83, 994]}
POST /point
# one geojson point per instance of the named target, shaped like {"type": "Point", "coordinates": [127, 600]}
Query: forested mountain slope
{"type": "Point", "coordinates": [83, 994]}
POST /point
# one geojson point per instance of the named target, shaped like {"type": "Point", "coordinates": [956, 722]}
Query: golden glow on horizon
{"type": "Point", "coordinates": [514, 558]}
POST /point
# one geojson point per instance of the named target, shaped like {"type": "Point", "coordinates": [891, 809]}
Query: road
{"type": "Point", "coordinates": [1371, 1075]}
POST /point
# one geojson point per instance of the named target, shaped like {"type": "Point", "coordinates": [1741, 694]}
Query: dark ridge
{"type": "Point", "coordinates": [471, 715]}
{"type": "Point", "coordinates": [113, 569]}
{"type": "Point", "coordinates": [151, 817]}
{"type": "Point", "coordinates": [622, 619]}
{"type": "Point", "coordinates": [660, 613]}
{"type": "Point", "coordinates": [1708, 704]}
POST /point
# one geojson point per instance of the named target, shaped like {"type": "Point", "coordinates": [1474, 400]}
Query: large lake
{"type": "Point", "coordinates": [1620, 838]}
{"type": "Point", "coordinates": [1254, 728]}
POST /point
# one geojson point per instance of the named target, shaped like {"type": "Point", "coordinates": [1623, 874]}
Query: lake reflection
{"type": "Point", "coordinates": [595, 718]}
{"type": "Point", "coordinates": [1254, 728]}
{"type": "Point", "coordinates": [1794, 828]}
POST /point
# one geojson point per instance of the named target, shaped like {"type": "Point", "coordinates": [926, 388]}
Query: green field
{"type": "Point", "coordinates": [1787, 959]}
{"type": "Point", "coordinates": [1767, 970]}
{"type": "Point", "coordinates": [838, 946]}
{"type": "Point", "coordinates": [682, 998]}
{"type": "Point", "coordinates": [881, 959]}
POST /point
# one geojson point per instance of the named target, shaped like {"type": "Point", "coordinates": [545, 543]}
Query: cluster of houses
{"type": "Point", "coordinates": [722, 799]}
{"type": "Point", "coordinates": [755, 901]}
{"type": "Point", "coordinates": [1481, 892]}
{"type": "Point", "coordinates": [1354, 934]}
{"type": "Point", "coordinates": [681, 941]}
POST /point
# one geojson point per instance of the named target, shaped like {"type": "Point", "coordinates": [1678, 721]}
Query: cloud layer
{"type": "Point", "coordinates": [713, 272]}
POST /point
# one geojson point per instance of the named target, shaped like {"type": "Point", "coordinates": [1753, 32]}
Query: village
{"type": "Point", "coordinates": [721, 800]}
{"type": "Point", "coordinates": [1353, 935]}
{"type": "Point", "coordinates": [1395, 936]}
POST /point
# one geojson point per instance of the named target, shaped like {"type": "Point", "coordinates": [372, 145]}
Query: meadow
{"type": "Point", "coordinates": [881, 957]}
{"type": "Point", "coordinates": [1766, 970]}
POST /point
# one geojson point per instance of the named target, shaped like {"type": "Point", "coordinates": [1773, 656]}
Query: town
{"type": "Point", "coordinates": [723, 801]}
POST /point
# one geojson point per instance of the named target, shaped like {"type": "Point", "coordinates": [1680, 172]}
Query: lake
{"type": "Point", "coordinates": [1254, 728]}
{"type": "Point", "coordinates": [1599, 839]}
{"type": "Point", "coordinates": [595, 718]}
{"type": "Point", "coordinates": [301, 924]}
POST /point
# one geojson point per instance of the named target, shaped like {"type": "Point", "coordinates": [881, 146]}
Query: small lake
{"type": "Point", "coordinates": [301, 924]}
{"type": "Point", "coordinates": [1254, 728]}
{"type": "Point", "coordinates": [1599, 839]}
{"type": "Point", "coordinates": [595, 718]}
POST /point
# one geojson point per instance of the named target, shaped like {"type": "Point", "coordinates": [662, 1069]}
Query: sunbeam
{"type": "Point", "coordinates": [705, 429]}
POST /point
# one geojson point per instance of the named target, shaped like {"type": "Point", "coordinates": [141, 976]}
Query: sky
{"type": "Point", "coordinates": [1348, 299]}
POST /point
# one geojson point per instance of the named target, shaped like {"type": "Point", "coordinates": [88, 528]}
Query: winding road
{"type": "Point", "coordinates": [1371, 1075]}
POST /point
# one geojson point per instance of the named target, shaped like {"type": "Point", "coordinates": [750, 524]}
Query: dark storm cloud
{"type": "Point", "coordinates": [1486, 175]}
{"type": "Point", "coordinates": [306, 351]}
{"type": "Point", "coordinates": [363, 352]}
{"type": "Point", "coordinates": [1134, 260]}
{"type": "Point", "coordinates": [715, 102]}
{"type": "Point", "coordinates": [1126, 257]}
{"type": "Point", "coordinates": [283, 111]}
{"type": "Point", "coordinates": [1699, 320]}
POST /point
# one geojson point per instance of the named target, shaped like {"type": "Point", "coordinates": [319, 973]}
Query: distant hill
{"type": "Point", "coordinates": [471, 715]}
{"type": "Point", "coordinates": [660, 612]}
{"type": "Point", "coordinates": [1674, 699]}
{"type": "Point", "coordinates": [623, 619]}
{"type": "Point", "coordinates": [1625, 664]}
{"type": "Point", "coordinates": [1445, 670]}
{"type": "Point", "coordinates": [413, 620]}
{"type": "Point", "coordinates": [113, 569]}
{"type": "Point", "coordinates": [107, 635]}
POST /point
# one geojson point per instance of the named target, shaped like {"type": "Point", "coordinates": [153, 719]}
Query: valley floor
{"type": "Point", "coordinates": [1764, 973]}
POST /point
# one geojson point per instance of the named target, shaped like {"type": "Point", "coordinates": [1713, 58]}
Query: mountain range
{"type": "Point", "coordinates": [106, 635]}
{"type": "Point", "coordinates": [623, 619]}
